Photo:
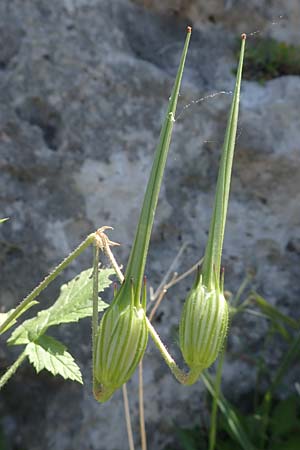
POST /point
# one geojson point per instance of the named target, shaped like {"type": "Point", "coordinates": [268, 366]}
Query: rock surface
{"type": "Point", "coordinates": [83, 89]}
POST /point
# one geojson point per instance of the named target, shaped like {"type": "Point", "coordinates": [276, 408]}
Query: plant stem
{"type": "Point", "coordinates": [127, 418]}
{"type": "Point", "coordinates": [11, 371]}
{"type": "Point", "coordinates": [95, 308]}
{"type": "Point", "coordinates": [159, 294]}
{"type": "Point", "coordinates": [186, 378]}
{"type": "Point", "coordinates": [291, 354]}
{"type": "Point", "coordinates": [158, 297]}
{"type": "Point", "coordinates": [235, 301]}
{"type": "Point", "coordinates": [170, 273]}
{"type": "Point", "coordinates": [180, 375]}
{"type": "Point", "coordinates": [267, 401]}
{"type": "Point", "coordinates": [229, 414]}
{"type": "Point", "coordinates": [36, 291]}
{"type": "Point", "coordinates": [141, 408]}
{"type": "Point", "coordinates": [214, 411]}
{"type": "Point", "coordinates": [112, 259]}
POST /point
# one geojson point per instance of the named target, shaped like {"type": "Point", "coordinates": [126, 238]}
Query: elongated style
{"type": "Point", "coordinates": [122, 335]}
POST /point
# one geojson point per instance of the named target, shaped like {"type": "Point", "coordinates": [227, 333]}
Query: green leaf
{"type": "Point", "coordinates": [5, 316]}
{"type": "Point", "coordinates": [273, 313]}
{"type": "Point", "coordinates": [75, 299]}
{"type": "Point", "coordinates": [40, 287]}
{"type": "Point", "coordinates": [4, 220]}
{"type": "Point", "coordinates": [227, 445]}
{"type": "Point", "coordinates": [74, 303]}
{"type": "Point", "coordinates": [289, 357]}
{"type": "Point", "coordinates": [3, 442]}
{"type": "Point", "coordinates": [284, 418]}
{"type": "Point", "coordinates": [234, 425]}
{"type": "Point", "coordinates": [50, 354]}
{"type": "Point", "coordinates": [292, 443]}
{"type": "Point", "coordinates": [188, 438]}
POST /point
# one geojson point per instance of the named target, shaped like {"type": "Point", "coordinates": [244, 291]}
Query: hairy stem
{"type": "Point", "coordinates": [36, 291]}
{"type": "Point", "coordinates": [186, 378]}
{"type": "Point", "coordinates": [113, 261]}
{"type": "Point", "coordinates": [11, 371]}
{"type": "Point", "coordinates": [95, 308]}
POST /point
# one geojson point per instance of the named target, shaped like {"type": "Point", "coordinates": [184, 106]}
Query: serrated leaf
{"type": "Point", "coordinates": [50, 354]}
{"type": "Point", "coordinates": [5, 316]}
{"type": "Point", "coordinates": [75, 299]}
{"type": "Point", "coordinates": [73, 303]}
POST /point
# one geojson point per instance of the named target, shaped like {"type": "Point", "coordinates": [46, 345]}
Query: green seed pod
{"type": "Point", "coordinates": [204, 319]}
{"type": "Point", "coordinates": [120, 345]}
{"type": "Point", "coordinates": [203, 326]}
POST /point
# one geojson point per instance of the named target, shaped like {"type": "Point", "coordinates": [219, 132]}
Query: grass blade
{"type": "Point", "coordinates": [231, 418]}
{"type": "Point", "coordinates": [274, 313]}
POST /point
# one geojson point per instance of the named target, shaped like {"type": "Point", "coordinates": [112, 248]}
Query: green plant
{"type": "Point", "coordinates": [46, 353]}
{"type": "Point", "coordinates": [116, 355]}
{"type": "Point", "coordinates": [32, 331]}
{"type": "Point", "coordinates": [269, 423]}
{"type": "Point", "coordinates": [284, 430]}
{"type": "Point", "coordinates": [74, 303]}
{"type": "Point", "coordinates": [268, 58]}
{"type": "Point", "coordinates": [115, 352]}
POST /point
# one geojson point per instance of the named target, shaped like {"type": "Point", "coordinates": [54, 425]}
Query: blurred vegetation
{"type": "Point", "coordinates": [283, 433]}
{"type": "Point", "coordinates": [266, 420]}
{"type": "Point", "coordinates": [267, 58]}
{"type": "Point", "coordinates": [3, 445]}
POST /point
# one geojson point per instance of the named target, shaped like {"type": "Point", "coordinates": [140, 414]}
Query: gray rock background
{"type": "Point", "coordinates": [83, 89]}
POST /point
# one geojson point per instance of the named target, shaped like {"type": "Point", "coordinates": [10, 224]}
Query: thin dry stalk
{"type": "Point", "coordinates": [127, 417]}
{"type": "Point", "coordinates": [141, 408]}
{"type": "Point", "coordinates": [159, 294]}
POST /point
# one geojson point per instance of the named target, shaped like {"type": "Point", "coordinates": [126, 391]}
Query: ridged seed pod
{"type": "Point", "coordinates": [120, 345]}
{"type": "Point", "coordinates": [203, 326]}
